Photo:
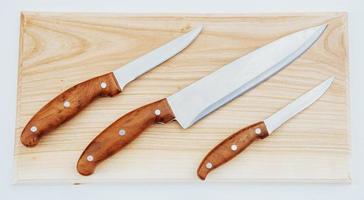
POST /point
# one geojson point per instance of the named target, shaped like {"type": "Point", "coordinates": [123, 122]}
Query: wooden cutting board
{"type": "Point", "coordinates": [58, 50]}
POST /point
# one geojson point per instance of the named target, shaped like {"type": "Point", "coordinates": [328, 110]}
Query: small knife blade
{"type": "Point", "coordinates": [236, 143]}
{"type": "Point", "coordinates": [292, 109]}
{"type": "Point", "coordinates": [202, 97]}
{"type": "Point", "coordinates": [69, 103]}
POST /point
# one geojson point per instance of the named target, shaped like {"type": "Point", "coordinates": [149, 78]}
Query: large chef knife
{"type": "Point", "coordinates": [72, 101]}
{"type": "Point", "coordinates": [200, 98]}
{"type": "Point", "coordinates": [240, 140]}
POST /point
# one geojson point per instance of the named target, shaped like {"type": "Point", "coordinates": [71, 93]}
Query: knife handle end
{"type": "Point", "coordinates": [121, 133]}
{"type": "Point", "coordinates": [67, 105]}
{"type": "Point", "coordinates": [231, 147]}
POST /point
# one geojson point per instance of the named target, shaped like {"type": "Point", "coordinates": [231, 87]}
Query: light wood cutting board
{"type": "Point", "coordinates": [58, 50]}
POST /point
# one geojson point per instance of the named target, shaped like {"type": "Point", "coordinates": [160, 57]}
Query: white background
{"type": "Point", "coordinates": [9, 34]}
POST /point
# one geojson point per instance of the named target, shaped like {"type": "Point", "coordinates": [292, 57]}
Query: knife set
{"type": "Point", "coordinates": [187, 106]}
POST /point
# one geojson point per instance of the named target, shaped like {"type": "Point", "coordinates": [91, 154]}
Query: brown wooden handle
{"type": "Point", "coordinates": [122, 132]}
{"type": "Point", "coordinates": [66, 105]}
{"type": "Point", "coordinates": [231, 147]}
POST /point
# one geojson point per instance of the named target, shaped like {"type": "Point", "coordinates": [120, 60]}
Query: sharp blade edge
{"type": "Point", "coordinates": [139, 66]}
{"type": "Point", "coordinates": [206, 95]}
{"type": "Point", "coordinates": [280, 117]}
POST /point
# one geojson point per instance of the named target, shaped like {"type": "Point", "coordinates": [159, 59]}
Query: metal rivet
{"type": "Point", "coordinates": [66, 104]}
{"type": "Point", "coordinates": [103, 85]}
{"type": "Point", "coordinates": [33, 129]}
{"type": "Point", "coordinates": [90, 158]}
{"type": "Point", "coordinates": [208, 165]}
{"type": "Point", "coordinates": [234, 147]}
{"type": "Point", "coordinates": [157, 112]}
{"type": "Point", "coordinates": [258, 131]}
{"type": "Point", "coordinates": [122, 132]}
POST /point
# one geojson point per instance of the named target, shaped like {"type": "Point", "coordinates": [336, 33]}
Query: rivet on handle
{"type": "Point", "coordinates": [90, 158]}
{"type": "Point", "coordinates": [258, 131]}
{"type": "Point", "coordinates": [208, 165]}
{"type": "Point", "coordinates": [66, 104]}
{"type": "Point", "coordinates": [103, 85]}
{"type": "Point", "coordinates": [122, 132]}
{"type": "Point", "coordinates": [234, 147]}
{"type": "Point", "coordinates": [157, 112]}
{"type": "Point", "coordinates": [33, 129]}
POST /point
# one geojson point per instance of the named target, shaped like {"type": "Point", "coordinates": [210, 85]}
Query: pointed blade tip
{"type": "Point", "coordinates": [315, 31]}
{"type": "Point", "coordinates": [196, 30]}
{"type": "Point", "coordinates": [320, 28]}
{"type": "Point", "coordinates": [331, 79]}
{"type": "Point", "coordinates": [199, 28]}
{"type": "Point", "coordinates": [327, 83]}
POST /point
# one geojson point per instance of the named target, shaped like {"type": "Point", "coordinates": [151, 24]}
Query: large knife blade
{"type": "Point", "coordinates": [72, 101]}
{"type": "Point", "coordinates": [202, 97]}
{"type": "Point", "coordinates": [236, 143]}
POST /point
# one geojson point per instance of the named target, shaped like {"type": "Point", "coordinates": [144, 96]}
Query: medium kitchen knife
{"type": "Point", "coordinates": [240, 140]}
{"type": "Point", "coordinates": [72, 101]}
{"type": "Point", "coordinates": [200, 98]}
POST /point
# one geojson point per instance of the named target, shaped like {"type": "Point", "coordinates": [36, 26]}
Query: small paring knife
{"type": "Point", "coordinates": [200, 98]}
{"type": "Point", "coordinates": [236, 143]}
{"type": "Point", "coordinates": [72, 101]}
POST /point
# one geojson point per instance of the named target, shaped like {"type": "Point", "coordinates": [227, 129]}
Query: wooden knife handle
{"type": "Point", "coordinates": [122, 132]}
{"type": "Point", "coordinates": [66, 105]}
{"type": "Point", "coordinates": [231, 147]}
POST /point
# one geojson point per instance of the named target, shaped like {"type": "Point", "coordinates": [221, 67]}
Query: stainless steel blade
{"type": "Point", "coordinates": [137, 67]}
{"type": "Point", "coordinates": [280, 117]}
{"type": "Point", "coordinates": [204, 96]}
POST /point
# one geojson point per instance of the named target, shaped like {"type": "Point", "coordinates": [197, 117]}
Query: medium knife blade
{"type": "Point", "coordinates": [236, 143]}
{"type": "Point", "coordinates": [139, 66]}
{"type": "Point", "coordinates": [206, 95]}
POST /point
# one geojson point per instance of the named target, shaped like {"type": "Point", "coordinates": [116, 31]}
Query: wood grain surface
{"type": "Point", "coordinates": [59, 50]}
